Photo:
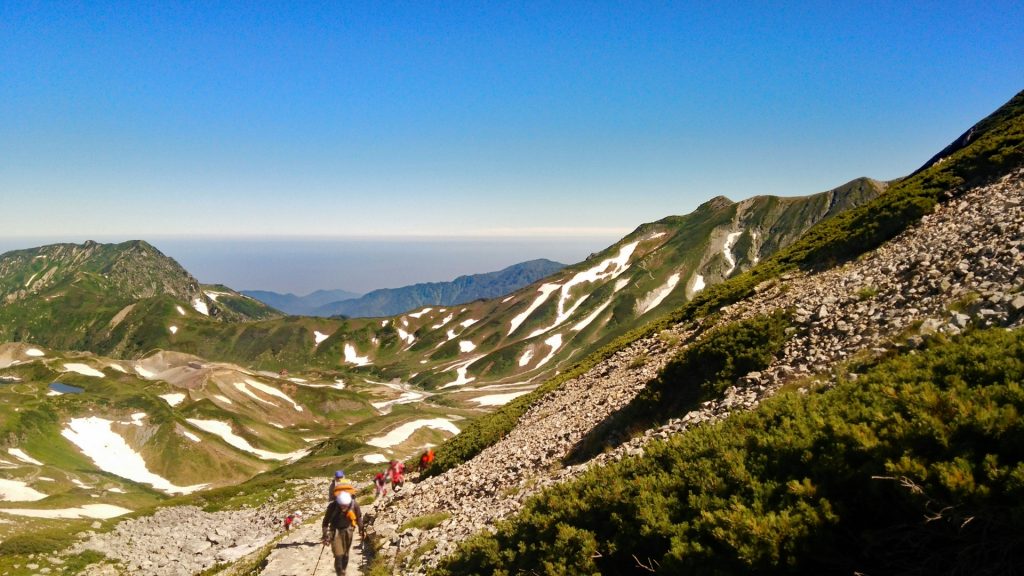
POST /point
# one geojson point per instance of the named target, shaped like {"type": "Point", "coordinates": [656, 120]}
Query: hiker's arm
{"type": "Point", "coordinates": [359, 519]}
{"type": "Point", "coordinates": [325, 525]}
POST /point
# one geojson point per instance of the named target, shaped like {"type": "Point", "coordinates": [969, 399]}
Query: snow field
{"type": "Point", "coordinates": [35, 352]}
{"type": "Point", "coordinates": [353, 357]}
{"type": "Point", "coordinates": [83, 369]}
{"type": "Point", "coordinates": [499, 399]}
{"type": "Point", "coordinates": [545, 291]}
{"type": "Point", "coordinates": [319, 337]}
{"type": "Point", "coordinates": [111, 453]}
{"type": "Point", "coordinates": [466, 346]}
{"type": "Point", "coordinates": [223, 429]}
{"type": "Point", "coordinates": [18, 491]}
{"type": "Point", "coordinates": [201, 307]}
{"type": "Point", "coordinates": [555, 342]}
{"type": "Point", "coordinates": [657, 296]}
{"type": "Point", "coordinates": [698, 284]}
{"type": "Point", "coordinates": [20, 455]}
{"type": "Point", "coordinates": [273, 392]}
{"type": "Point", "coordinates": [173, 399]}
{"type": "Point", "coordinates": [100, 511]}
{"type": "Point", "coordinates": [403, 432]}
{"type": "Point", "coordinates": [593, 316]}
{"type": "Point", "coordinates": [730, 240]}
{"type": "Point", "coordinates": [375, 459]}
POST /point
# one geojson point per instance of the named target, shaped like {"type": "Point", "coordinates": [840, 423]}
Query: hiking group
{"type": "Point", "coordinates": [343, 515]}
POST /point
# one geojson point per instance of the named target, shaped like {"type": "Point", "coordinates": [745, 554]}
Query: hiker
{"type": "Point", "coordinates": [396, 472]}
{"type": "Point", "coordinates": [344, 483]}
{"type": "Point", "coordinates": [380, 481]}
{"type": "Point", "coordinates": [339, 525]}
{"type": "Point", "coordinates": [288, 522]}
{"type": "Point", "coordinates": [426, 460]}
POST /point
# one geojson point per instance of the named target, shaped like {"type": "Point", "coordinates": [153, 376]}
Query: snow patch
{"type": "Point", "coordinates": [144, 373]}
{"type": "Point", "coordinates": [223, 429]}
{"type": "Point", "coordinates": [17, 453]}
{"type": "Point", "coordinates": [270, 390]}
{"type": "Point", "coordinates": [111, 453]}
{"type": "Point", "coordinates": [593, 316]}
{"type": "Point", "coordinates": [375, 459]}
{"type": "Point", "coordinates": [417, 315]}
{"type": "Point", "coordinates": [730, 240]}
{"type": "Point", "coordinates": [353, 357]}
{"type": "Point", "coordinates": [507, 299]}
{"type": "Point", "coordinates": [545, 291]}
{"type": "Point", "coordinates": [607, 269]}
{"type": "Point", "coordinates": [34, 352]}
{"type": "Point", "coordinates": [180, 310]}
{"type": "Point", "coordinates": [657, 296]}
{"type": "Point", "coordinates": [18, 491]}
{"type": "Point", "coordinates": [555, 342]}
{"type": "Point", "coordinates": [499, 399]}
{"type": "Point", "coordinates": [173, 329]}
{"type": "Point", "coordinates": [101, 511]}
{"type": "Point", "coordinates": [191, 436]}
{"type": "Point", "coordinates": [620, 284]}
{"type": "Point", "coordinates": [319, 337]}
{"type": "Point", "coordinates": [223, 398]}
{"type": "Point", "coordinates": [468, 322]}
{"type": "Point", "coordinates": [173, 399]}
{"type": "Point", "coordinates": [403, 432]}
{"type": "Point", "coordinates": [201, 307]}
{"type": "Point", "coordinates": [698, 284]}
{"type": "Point", "coordinates": [444, 321]}
{"type": "Point", "coordinates": [526, 357]}
{"type": "Point", "coordinates": [451, 334]}
{"type": "Point", "coordinates": [244, 389]}
{"type": "Point", "coordinates": [406, 337]}
{"type": "Point", "coordinates": [466, 346]}
{"type": "Point", "coordinates": [84, 370]}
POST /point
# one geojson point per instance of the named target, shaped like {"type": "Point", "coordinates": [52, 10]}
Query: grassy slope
{"type": "Point", "coordinates": [916, 468]}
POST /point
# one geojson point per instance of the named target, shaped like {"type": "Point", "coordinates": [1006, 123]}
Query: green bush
{"type": "Point", "coordinates": [917, 467]}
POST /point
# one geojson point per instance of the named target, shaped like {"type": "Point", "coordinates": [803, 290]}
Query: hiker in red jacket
{"type": "Point", "coordinates": [396, 472]}
{"type": "Point", "coordinates": [426, 459]}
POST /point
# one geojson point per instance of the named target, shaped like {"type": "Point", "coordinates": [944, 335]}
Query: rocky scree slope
{"type": "Point", "coordinates": [184, 540]}
{"type": "Point", "coordinates": [962, 265]}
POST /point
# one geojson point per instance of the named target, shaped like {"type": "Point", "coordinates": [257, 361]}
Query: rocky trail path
{"type": "Point", "coordinates": [301, 554]}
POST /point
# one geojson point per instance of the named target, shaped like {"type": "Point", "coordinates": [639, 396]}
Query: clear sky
{"type": "Point", "coordinates": [267, 119]}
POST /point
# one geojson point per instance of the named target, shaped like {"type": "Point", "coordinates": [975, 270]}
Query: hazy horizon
{"type": "Point", "coordinates": [301, 266]}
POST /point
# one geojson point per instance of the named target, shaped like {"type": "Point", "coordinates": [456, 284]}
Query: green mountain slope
{"type": "Point", "coordinates": [300, 305]}
{"type": "Point", "coordinates": [76, 297]}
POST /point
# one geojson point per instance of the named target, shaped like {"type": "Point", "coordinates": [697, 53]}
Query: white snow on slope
{"type": "Point", "coordinates": [180, 310]}
{"type": "Point", "coordinates": [223, 398]}
{"type": "Point", "coordinates": [656, 235]}
{"type": "Point", "coordinates": [83, 369]}
{"type": "Point", "coordinates": [406, 398]}
{"type": "Point", "coordinates": [499, 399]}
{"type": "Point", "coordinates": [400, 434]}
{"type": "Point", "coordinates": [223, 429]}
{"type": "Point", "coordinates": [460, 373]}
{"type": "Point", "coordinates": [507, 299]}
{"type": "Point", "coordinates": [244, 389]}
{"type": "Point", "coordinates": [607, 269]}
{"type": "Point", "coordinates": [34, 352]}
{"type": "Point", "coordinates": [593, 316]}
{"type": "Point", "coordinates": [108, 450]}
{"type": "Point", "coordinates": [698, 284]}
{"type": "Point", "coordinates": [191, 436]}
{"type": "Point", "coordinates": [173, 399]}
{"type": "Point", "coordinates": [273, 392]}
{"type": "Point", "coordinates": [17, 453]}
{"type": "Point", "coordinates": [406, 337]}
{"type": "Point", "coordinates": [555, 342]}
{"type": "Point", "coordinates": [451, 334]}
{"type": "Point", "coordinates": [144, 373]}
{"type": "Point", "coordinates": [753, 236]}
{"type": "Point", "coordinates": [18, 491]}
{"type": "Point", "coordinates": [444, 321]}
{"type": "Point", "coordinates": [420, 313]}
{"type": "Point", "coordinates": [137, 418]}
{"type": "Point", "coordinates": [353, 357]}
{"type": "Point", "coordinates": [319, 336]}
{"type": "Point", "coordinates": [173, 329]}
{"type": "Point", "coordinates": [101, 511]}
{"type": "Point", "coordinates": [466, 346]}
{"type": "Point", "coordinates": [526, 357]}
{"type": "Point", "coordinates": [375, 458]}
{"type": "Point", "coordinates": [727, 251]}
{"type": "Point", "coordinates": [468, 322]}
{"type": "Point", "coordinates": [657, 296]}
{"type": "Point", "coordinates": [545, 291]}
{"type": "Point", "coordinates": [200, 306]}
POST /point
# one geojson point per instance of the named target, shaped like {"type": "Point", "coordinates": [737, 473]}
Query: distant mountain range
{"type": "Point", "coordinates": [300, 305]}
{"type": "Point", "coordinates": [392, 301]}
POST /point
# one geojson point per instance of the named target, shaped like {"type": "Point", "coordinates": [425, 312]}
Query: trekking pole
{"type": "Point", "coordinates": [318, 558]}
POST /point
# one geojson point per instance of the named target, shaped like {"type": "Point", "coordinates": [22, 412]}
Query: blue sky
{"type": "Point", "coordinates": [280, 119]}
